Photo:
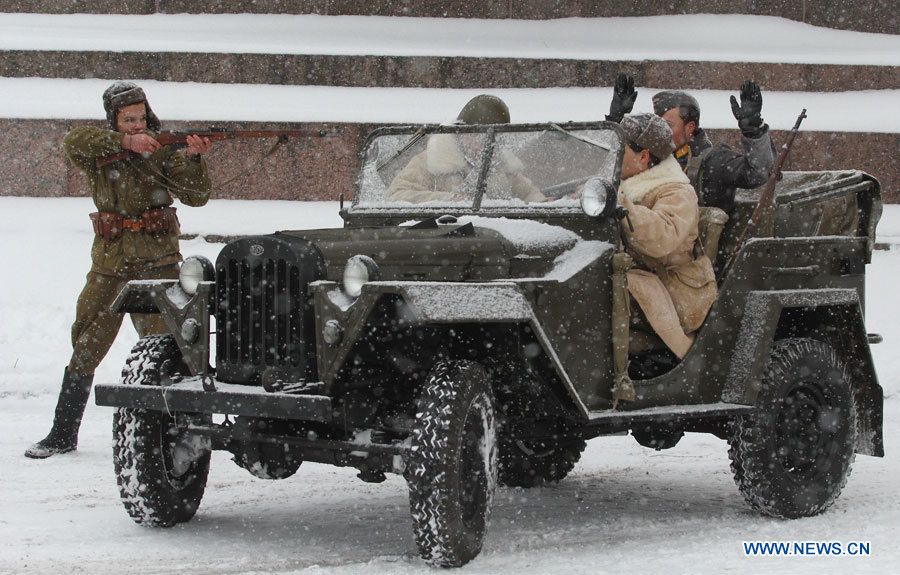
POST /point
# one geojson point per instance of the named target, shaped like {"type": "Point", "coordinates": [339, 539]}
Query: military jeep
{"type": "Point", "coordinates": [478, 338]}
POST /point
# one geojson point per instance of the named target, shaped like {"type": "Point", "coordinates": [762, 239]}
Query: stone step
{"type": "Point", "coordinates": [873, 16]}
{"type": "Point", "coordinates": [437, 71]}
{"type": "Point", "coordinates": [323, 170]}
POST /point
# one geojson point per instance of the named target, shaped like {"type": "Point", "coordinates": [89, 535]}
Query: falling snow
{"type": "Point", "coordinates": [623, 505]}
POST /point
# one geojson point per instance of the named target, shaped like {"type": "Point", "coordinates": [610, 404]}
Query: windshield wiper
{"type": "Point", "coordinates": [486, 156]}
{"type": "Point", "coordinates": [412, 142]}
{"type": "Point", "coordinates": [581, 138]}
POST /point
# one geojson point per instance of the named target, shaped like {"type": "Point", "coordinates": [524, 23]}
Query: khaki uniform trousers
{"type": "Point", "coordinates": [96, 327]}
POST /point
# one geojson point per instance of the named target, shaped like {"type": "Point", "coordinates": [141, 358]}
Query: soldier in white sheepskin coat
{"type": "Point", "coordinates": [445, 172]}
{"type": "Point", "coordinates": [673, 285]}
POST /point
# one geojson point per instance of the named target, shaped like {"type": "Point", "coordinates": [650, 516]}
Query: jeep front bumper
{"type": "Point", "coordinates": [189, 395]}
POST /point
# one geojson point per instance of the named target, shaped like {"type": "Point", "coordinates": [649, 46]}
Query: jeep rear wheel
{"type": "Point", "coordinates": [533, 463]}
{"type": "Point", "coordinates": [791, 457]}
{"type": "Point", "coordinates": [161, 471]}
{"type": "Point", "coordinates": [452, 467]}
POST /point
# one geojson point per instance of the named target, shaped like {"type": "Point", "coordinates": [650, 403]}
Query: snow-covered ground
{"type": "Point", "coordinates": [623, 509]}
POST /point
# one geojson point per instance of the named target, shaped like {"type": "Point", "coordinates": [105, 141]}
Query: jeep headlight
{"type": "Point", "coordinates": [194, 270]}
{"type": "Point", "coordinates": [598, 198]}
{"type": "Point", "coordinates": [359, 270]}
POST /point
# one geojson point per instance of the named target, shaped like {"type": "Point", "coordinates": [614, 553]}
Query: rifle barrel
{"type": "Point", "coordinates": [179, 137]}
{"type": "Point", "coordinates": [168, 138]}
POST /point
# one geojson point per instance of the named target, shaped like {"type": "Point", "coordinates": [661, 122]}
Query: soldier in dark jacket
{"type": "Point", "coordinates": [136, 237]}
{"type": "Point", "coordinates": [715, 171]}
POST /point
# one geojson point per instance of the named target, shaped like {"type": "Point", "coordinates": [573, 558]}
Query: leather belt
{"type": "Point", "coordinates": [158, 221]}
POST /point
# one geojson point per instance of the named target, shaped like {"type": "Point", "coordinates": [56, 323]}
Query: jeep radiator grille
{"type": "Point", "coordinates": [259, 315]}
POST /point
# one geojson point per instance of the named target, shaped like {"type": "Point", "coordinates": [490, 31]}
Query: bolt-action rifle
{"type": "Point", "coordinates": [179, 138]}
{"type": "Point", "coordinates": [764, 213]}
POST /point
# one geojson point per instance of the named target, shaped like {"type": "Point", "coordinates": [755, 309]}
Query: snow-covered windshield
{"type": "Point", "coordinates": [479, 167]}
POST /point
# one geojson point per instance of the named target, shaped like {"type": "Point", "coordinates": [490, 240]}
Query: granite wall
{"type": "Point", "coordinates": [866, 15]}
{"type": "Point", "coordinates": [325, 168]}
{"type": "Point", "coordinates": [438, 72]}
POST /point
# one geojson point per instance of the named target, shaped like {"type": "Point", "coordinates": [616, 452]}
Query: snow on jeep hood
{"type": "Point", "coordinates": [574, 260]}
{"type": "Point", "coordinates": [526, 236]}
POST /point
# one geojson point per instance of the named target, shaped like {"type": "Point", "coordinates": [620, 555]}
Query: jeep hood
{"type": "Point", "coordinates": [470, 249]}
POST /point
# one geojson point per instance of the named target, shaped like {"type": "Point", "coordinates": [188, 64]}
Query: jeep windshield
{"type": "Point", "coordinates": [489, 168]}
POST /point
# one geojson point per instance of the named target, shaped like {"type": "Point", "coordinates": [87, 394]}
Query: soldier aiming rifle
{"type": "Point", "coordinates": [136, 236]}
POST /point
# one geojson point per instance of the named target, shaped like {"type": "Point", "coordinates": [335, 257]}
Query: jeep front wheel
{"type": "Point", "coordinates": [791, 457]}
{"type": "Point", "coordinates": [161, 471]}
{"type": "Point", "coordinates": [452, 466]}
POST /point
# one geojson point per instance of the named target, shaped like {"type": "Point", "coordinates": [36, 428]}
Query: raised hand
{"type": "Point", "coordinates": [623, 98]}
{"type": "Point", "coordinates": [747, 113]}
{"type": "Point", "coordinates": [140, 143]}
{"type": "Point", "coordinates": [197, 145]}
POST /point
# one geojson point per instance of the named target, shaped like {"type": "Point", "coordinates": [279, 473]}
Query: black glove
{"type": "Point", "coordinates": [623, 98]}
{"type": "Point", "coordinates": [748, 112]}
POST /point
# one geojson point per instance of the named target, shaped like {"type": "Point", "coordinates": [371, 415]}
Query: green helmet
{"type": "Point", "coordinates": [484, 109]}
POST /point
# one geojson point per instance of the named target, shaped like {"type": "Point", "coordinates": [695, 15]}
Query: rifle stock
{"type": "Point", "coordinates": [764, 213]}
{"type": "Point", "coordinates": [176, 138]}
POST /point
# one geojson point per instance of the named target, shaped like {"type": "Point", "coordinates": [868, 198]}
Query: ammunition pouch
{"type": "Point", "coordinates": [156, 222]}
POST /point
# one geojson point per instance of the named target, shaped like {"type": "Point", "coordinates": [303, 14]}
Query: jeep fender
{"type": "Point", "coordinates": [840, 309]}
{"type": "Point", "coordinates": [433, 303]}
{"type": "Point", "coordinates": [187, 317]}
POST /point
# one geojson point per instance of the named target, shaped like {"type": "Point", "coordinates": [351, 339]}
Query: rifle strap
{"type": "Point", "coordinates": [156, 174]}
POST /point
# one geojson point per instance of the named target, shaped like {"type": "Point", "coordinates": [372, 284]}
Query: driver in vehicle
{"type": "Point", "coordinates": [446, 172]}
{"type": "Point", "coordinates": [673, 283]}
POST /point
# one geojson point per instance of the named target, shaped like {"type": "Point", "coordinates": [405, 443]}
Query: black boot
{"type": "Point", "coordinates": [63, 437]}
